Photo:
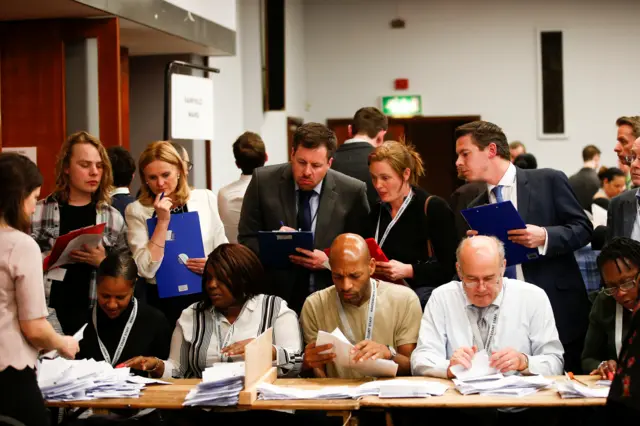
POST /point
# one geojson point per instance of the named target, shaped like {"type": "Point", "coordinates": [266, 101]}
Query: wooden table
{"type": "Point", "coordinates": [453, 399]}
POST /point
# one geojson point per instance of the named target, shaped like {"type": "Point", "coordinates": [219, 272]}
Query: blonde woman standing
{"type": "Point", "coordinates": [162, 171]}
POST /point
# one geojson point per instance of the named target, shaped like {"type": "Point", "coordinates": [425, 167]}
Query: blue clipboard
{"type": "Point", "coordinates": [496, 219]}
{"type": "Point", "coordinates": [276, 247]}
{"type": "Point", "coordinates": [184, 236]}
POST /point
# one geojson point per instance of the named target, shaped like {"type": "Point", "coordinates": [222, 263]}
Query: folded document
{"type": "Point", "coordinates": [572, 389]}
{"type": "Point", "coordinates": [342, 348]}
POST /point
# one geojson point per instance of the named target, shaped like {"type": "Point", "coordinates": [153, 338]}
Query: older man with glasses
{"type": "Point", "coordinates": [511, 320]}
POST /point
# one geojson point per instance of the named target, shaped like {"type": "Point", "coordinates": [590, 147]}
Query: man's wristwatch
{"type": "Point", "coordinates": [526, 362]}
{"type": "Point", "coordinates": [392, 351]}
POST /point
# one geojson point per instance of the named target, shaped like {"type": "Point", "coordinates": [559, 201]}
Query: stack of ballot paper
{"type": "Point", "coordinates": [499, 385]}
{"type": "Point", "coordinates": [571, 389]}
{"type": "Point", "coordinates": [74, 380]}
{"type": "Point", "coordinates": [221, 385]}
{"type": "Point", "coordinates": [383, 388]}
{"type": "Point", "coordinates": [342, 348]}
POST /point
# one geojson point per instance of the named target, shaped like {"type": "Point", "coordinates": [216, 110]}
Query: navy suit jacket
{"type": "Point", "coordinates": [545, 199]}
{"type": "Point", "coordinates": [622, 214]}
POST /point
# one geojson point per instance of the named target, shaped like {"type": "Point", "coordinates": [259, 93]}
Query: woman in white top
{"type": "Point", "coordinates": [24, 328]}
{"type": "Point", "coordinates": [232, 313]}
{"type": "Point", "coordinates": [164, 191]}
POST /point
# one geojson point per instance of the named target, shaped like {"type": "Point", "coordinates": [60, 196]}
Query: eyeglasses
{"type": "Point", "coordinates": [473, 283]}
{"type": "Point", "coordinates": [626, 286]}
{"type": "Point", "coordinates": [189, 165]}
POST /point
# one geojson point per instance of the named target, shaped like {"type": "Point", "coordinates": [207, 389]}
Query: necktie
{"type": "Point", "coordinates": [304, 210]}
{"type": "Point", "coordinates": [483, 325]}
{"type": "Point", "coordinates": [510, 271]}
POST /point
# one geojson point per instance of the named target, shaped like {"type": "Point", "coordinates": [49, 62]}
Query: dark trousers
{"type": "Point", "coordinates": [21, 397]}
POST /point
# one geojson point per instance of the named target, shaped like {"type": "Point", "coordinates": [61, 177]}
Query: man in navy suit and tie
{"type": "Point", "coordinates": [556, 226]}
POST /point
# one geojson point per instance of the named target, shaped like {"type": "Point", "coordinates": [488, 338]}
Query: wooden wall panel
{"type": "Point", "coordinates": [32, 90]}
{"type": "Point", "coordinates": [124, 96]}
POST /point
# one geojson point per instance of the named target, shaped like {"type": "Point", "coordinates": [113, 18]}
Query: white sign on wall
{"type": "Point", "coordinates": [28, 151]}
{"type": "Point", "coordinates": [191, 107]}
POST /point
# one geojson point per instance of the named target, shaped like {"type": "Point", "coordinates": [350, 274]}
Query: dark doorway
{"type": "Point", "coordinates": [292, 125]}
{"type": "Point", "coordinates": [433, 139]}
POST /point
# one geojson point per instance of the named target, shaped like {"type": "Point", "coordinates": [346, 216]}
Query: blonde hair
{"type": "Point", "coordinates": [62, 191]}
{"type": "Point", "coordinates": [162, 151]}
{"type": "Point", "coordinates": [400, 156]}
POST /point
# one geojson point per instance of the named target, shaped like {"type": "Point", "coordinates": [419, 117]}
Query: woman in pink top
{"type": "Point", "coordinates": [23, 312]}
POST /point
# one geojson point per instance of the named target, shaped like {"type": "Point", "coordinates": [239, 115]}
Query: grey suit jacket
{"type": "Point", "coordinates": [622, 213]}
{"type": "Point", "coordinates": [271, 199]}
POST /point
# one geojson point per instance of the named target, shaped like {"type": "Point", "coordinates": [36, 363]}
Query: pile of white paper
{"type": "Point", "coordinates": [383, 389]}
{"type": "Point", "coordinates": [76, 380]}
{"type": "Point", "coordinates": [342, 348]}
{"type": "Point", "coordinates": [499, 385]}
{"type": "Point", "coordinates": [572, 389]}
{"type": "Point", "coordinates": [221, 385]}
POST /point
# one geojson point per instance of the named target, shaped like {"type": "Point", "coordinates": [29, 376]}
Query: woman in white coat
{"type": "Point", "coordinates": [164, 191]}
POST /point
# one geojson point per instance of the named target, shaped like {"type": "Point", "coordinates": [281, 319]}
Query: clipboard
{"type": "Point", "coordinates": [496, 220]}
{"type": "Point", "coordinates": [276, 246]}
{"type": "Point", "coordinates": [183, 237]}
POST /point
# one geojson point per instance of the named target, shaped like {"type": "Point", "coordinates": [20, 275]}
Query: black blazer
{"type": "Point", "coordinates": [459, 201]}
{"type": "Point", "coordinates": [352, 159]}
{"type": "Point", "coordinates": [622, 214]}
{"type": "Point", "coordinates": [271, 199]}
{"type": "Point", "coordinates": [585, 184]}
{"type": "Point", "coordinates": [545, 199]}
{"type": "Point", "coordinates": [407, 240]}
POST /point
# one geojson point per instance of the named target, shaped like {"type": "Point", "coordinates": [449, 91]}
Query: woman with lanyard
{"type": "Point", "coordinates": [416, 231]}
{"type": "Point", "coordinates": [610, 316]}
{"type": "Point", "coordinates": [619, 264]}
{"type": "Point", "coordinates": [165, 192]}
{"type": "Point", "coordinates": [232, 313]}
{"type": "Point", "coordinates": [120, 326]}
{"type": "Point", "coordinates": [23, 311]}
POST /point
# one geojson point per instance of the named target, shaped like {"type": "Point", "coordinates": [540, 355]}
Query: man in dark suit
{"type": "Point", "coordinates": [307, 195]}
{"type": "Point", "coordinates": [123, 167]}
{"type": "Point", "coordinates": [460, 200]}
{"type": "Point", "coordinates": [622, 217]}
{"type": "Point", "coordinates": [556, 226]}
{"type": "Point", "coordinates": [585, 183]}
{"type": "Point", "coordinates": [367, 132]}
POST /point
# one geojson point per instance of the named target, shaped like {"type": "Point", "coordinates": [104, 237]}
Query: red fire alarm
{"type": "Point", "coordinates": [402, 83]}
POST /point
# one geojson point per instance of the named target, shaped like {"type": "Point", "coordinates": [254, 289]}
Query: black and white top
{"type": "Point", "coordinates": [195, 346]}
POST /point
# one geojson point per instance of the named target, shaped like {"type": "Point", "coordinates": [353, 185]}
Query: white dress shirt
{"type": "Point", "coordinates": [200, 200]}
{"type": "Point", "coordinates": [525, 323]}
{"type": "Point", "coordinates": [286, 335]}
{"type": "Point", "coordinates": [230, 205]}
{"type": "Point", "coordinates": [509, 183]}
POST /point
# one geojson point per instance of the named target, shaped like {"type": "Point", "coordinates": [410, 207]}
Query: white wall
{"type": "Point", "coordinates": [479, 57]}
{"type": "Point", "coordinates": [295, 70]}
{"type": "Point", "coordinates": [222, 12]}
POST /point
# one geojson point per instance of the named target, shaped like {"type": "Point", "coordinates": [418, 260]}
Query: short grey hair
{"type": "Point", "coordinates": [499, 245]}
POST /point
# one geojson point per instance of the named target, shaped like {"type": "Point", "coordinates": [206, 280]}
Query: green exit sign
{"type": "Point", "coordinates": [402, 106]}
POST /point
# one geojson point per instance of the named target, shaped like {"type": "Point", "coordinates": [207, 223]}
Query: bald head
{"type": "Point", "coordinates": [351, 268]}
{"type": "Point", "coordinates": [481, 266]}
{"type": "Point", "coordinates": [350, 248]}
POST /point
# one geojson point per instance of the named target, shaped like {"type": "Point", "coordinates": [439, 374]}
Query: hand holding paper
{"type": "Point", "coordinates": [479, 367]}
{"type": "Point", "coordinates": [76, 337]}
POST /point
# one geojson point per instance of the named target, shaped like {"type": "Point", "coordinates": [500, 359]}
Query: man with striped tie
{"type": "Point", "coordinates": [556, 225]}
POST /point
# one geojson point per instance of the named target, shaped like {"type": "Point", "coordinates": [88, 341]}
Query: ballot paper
{"type": "Point", "coordinates": [572, 389]}
{"type": "Point", "coordinates": [395, 388]}
{"type": "Point", "coordinates": [479, 367]}
{"type": "Point", "coordinates": [60, 379]}
{"type": "Point", "coordinates": [505, 386]}
{"type": "Point", "coordinates": [606, 383]}
{"type": "Point", "coordinates": [146, 381]}
{"type": "Point", "coordinates": [221, 385]}
{"type": "Point", "coordinates": [78, 336]}
{"type": "Point", "coordinates": [342, 348]}
{"type": "Point", "coordinates": [78, 243]}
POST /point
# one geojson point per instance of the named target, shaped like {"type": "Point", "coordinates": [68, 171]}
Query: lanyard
{"type": "Point", "coordinates": [224, 343]}
{"type": "Point", "coordinates": [123, 338]}
{"type": "Point", "coordinates": [477, 336]}
{"type": "Point", "coordinates": [393, 221]}
{"type": "Point", "coordinates": [370, 317]}
{"type": "Point", "coordinates": [618, 330]}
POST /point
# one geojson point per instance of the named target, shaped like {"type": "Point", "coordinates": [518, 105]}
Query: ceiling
{"type": "Point", "coordinates": [139, 39]}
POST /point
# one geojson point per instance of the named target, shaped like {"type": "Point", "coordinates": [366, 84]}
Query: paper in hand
{"type": "Point", "coordinates": [479, 367]}
{"type": "Point", "coordinates": [342, 348]}
{"type": "Point", "coordinates": [78, 337]}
